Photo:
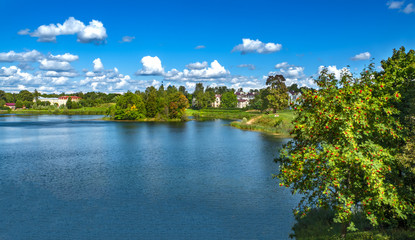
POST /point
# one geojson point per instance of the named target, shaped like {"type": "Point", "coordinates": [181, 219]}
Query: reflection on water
{"type": "Point", "coordinates": [72, 177]}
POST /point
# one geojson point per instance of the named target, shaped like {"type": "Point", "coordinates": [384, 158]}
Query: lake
{"type": "Point", "coordinates": [74, 177]}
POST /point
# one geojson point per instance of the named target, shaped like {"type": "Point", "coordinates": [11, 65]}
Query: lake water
{"type": "Point", "coordinates": [73, 177]}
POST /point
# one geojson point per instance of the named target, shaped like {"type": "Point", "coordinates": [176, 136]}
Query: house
{"type": "Point", "coordinates": [216, 103]}
{"type": "Point", "coordinates": [293, 97]}
{"type": "Point", "coordinates": [242, 103]}
{"type": "Point", "coordinates": [244, 98]}
{"type": "Point", "coordinates": [11, 105]}
{"type": "Point", "coordinates": [59, 101]}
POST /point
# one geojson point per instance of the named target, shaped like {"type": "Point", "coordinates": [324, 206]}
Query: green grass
{"type": "Point", "coordinates": [269, 123]}
{"type": "Point", "coordinates": [318, 225]}
{"type": "Point", "coordinates": [218, 113]}
{"type": "Point", "coordinates": [81, 111]}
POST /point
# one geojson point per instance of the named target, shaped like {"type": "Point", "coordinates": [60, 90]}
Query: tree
{"type": "Point", "coordinates": [182, 89]}
{"type": "Point", "coordinates": [129, 106]}
{"type": "Point", "coordinates": [69, 103]}
{"type": "Point", "coordinates": [294, 88]}
{"type": "Point", "coordinates": [25, 95]}
{"type": "Point", "coordinates": [177, 105]}
{"type": "Point", "coordinates": [229, 100]}
{"type": "Point", "coordinates": [278, 96]}
{"type": "Point", "coordinates": [343, 150]}
{"type": "Point", "coordinates": [151, 101]}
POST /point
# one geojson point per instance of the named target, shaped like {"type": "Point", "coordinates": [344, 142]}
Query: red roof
{"type": "Point", "coordinates": [72, 97]}
{"type": "Point", "coordinates": [10, 104]}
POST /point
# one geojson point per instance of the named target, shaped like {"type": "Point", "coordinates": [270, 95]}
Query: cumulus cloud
{"type": "Point", "coordinates": [361, 56]}
{"type": "Point", "coordinates": [409, 9]}
{"type": "Point", "coordinates": [98, 66]}
{"type": "Point", "coordinates": [12, 77]}
{"type": "Point", "coordinates": [251, 46]}
{"type": "Point", "coordinates": [94, 32]}
{"type": "Point", "coordinates": [282, 65]}
{"type": "Point", "coordinates": [127, 39]}
{"type": "Point", "coordinates": [248, 66]}
{"type": "Point", "coordinates": [151, 66]}
{"type": "Point", "coordinates": [246, 82]}
{"type": "Point", "coordinates": [60, 74]}
{"type": "Point", "coordinates": [338, 73]}
{"type": "Point", "coordinates": [197, 65]}
{"type": "Point", "coordinates": [395, 4]}
{"type": "Point", "coordinates": [54, 65]}
{"type": "Point", "coordinates": [210, 73]}
{"type": "Point", "coordinates": [200, 47]}
{"type": "Point", "coordinates": [67, 57]}
{"type": "Point", "coordinates": [28, 56]}
{"type": "Point", "coordinates": [293, 75]}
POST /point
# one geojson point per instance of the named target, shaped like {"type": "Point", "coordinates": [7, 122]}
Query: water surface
{"type": "Point", "coordinates": [73, 177]}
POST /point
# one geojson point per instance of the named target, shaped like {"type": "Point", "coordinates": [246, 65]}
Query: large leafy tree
{"type": "Point", "coordinates": [229, 100]}
{"type": "Point", "coordinates": [151, 101]}
{"type": "Point", "coordinates": [177, 105]}
{"type": "Point", "coordinates": [129, 106]}
{"type": "Point", "coordinates": [344, 148]}
{"type": "Point", "coordinates": [277, 92]}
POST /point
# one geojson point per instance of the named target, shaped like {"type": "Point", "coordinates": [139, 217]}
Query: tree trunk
{"type": "Point", "coordinates": [344, 229]}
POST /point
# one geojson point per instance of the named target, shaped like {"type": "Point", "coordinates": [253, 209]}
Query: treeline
{"type": "Point", "coordinates": [25, 98]}
{"type": "Point", "coordinates": [152, 103]}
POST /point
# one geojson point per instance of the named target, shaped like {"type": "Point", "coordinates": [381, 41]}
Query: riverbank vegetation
{"type": "Point", "coordinates": [352, 152]}
{"type": "Point", "coordinates": [159, 105]}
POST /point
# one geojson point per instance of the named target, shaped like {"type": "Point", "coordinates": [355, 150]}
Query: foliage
{"type": "Point", "coordinates": [278, 96]}
{"type": "Point", "coordinates": [228, 100]}
{"type": "Point", "coordinates": [69, 103]}
{"type": "Point", "coordinates": [129, 106]}
{"type": "Point", "coordinates": [343, 152]}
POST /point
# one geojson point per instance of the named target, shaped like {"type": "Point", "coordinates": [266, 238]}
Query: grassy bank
{"type": "Point", "coordinates": [218, 113]}
{"type": "Point", "coordinates": [279, 123]}
{"type": "Point", "coordinates": [318, 224]}
{"type": "Point", "coordinates": [80, 111]}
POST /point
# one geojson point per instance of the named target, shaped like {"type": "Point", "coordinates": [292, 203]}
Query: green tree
{"type": "Point", "coordinates": [25, 95]}
{"type": "Point", "coordinates": [343, 150]}
{"type": "Point", "coordinates": [19, 104]}
{"type": "Point", "coordinates": [177, 105]}
{"type": "Point", "coordinates": [129, 106]}
{"type": "Point", "coordinates": [229, 100]}
{"type": "Point", "coordinates": [278, 93]}
{"type": "Point", "coordinates": [69, 103]}
{"type": "Point", "coordinates": [151, 102]}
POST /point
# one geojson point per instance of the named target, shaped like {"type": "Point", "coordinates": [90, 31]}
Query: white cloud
{"type": "Point", "coordinates": [54, 65]}
{"type": "Point", "coordinates": [250, 46]}
{"type": "Point", "coordinates": [200, 47]}
{"type": "Point", "coordinates": [214, 72]}
{"type": "Point", "coordinates": [127, 39]}
{"type": "Point", "coordinates": [60, 74]}
{"type": "Point", "coordinates": [395, 4]}
{"type": "Point", "coordinates": [151, 66]}
{"type": "Point", "coordinates": [282, 65]}
{"type": "Point", "coordinates": [361, 56]}
{"type": "Point", "coordinates": [249, 66]}
{"type": "Point", "coordinates": [293, 75]}
{"type": "Point", "coordinates": [338, 73]}
{"type": "Point", "coordinates": [246, 82]}
{"type": "Point", "coordinates": [98, 66]}
{"type": "Point", "coordinates": [197, 65]}
{"type": "Point", "coordinates": [29, 56]}
{"type": "Point", "coordinates": [409, 9]}
{"type": "Point", "coordinates": [67, 57]}
{"type": "Point", "coordinates": [94, 32]}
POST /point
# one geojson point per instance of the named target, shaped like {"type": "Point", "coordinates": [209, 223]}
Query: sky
{"type": "Point", "coordinates": [116, 46]}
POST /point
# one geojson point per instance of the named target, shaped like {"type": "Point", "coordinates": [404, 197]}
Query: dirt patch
{"type": "Point", "coordinates": [251, 121]}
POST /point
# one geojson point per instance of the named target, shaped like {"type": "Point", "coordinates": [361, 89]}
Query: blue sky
{"type": "Point", "coordinates": [240, 42]}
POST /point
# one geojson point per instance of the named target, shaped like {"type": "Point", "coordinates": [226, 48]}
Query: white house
{"type": "Point", "coordinates": [216, 103]}
{"type": "Point", "coordinates": [244, 98]}
{"type": "Point", "coordinates": [60, 101]}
